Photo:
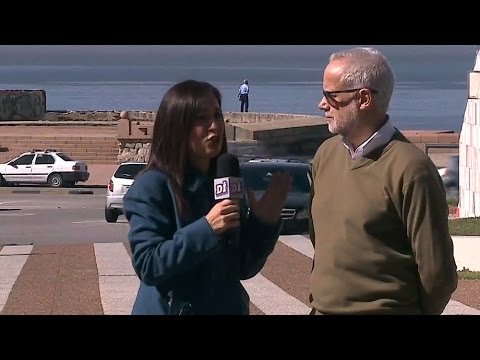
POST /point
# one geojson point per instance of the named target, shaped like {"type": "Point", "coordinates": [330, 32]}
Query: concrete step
{"type": "Point", "coordinates": [73, 143]}
{"type": "Point", "coordinates": [99, 161]}
{"type": "Point", "coordinates": [93, 153]}
{"type": "Point", "coordinates": [9, 155]}
{"type": "Point", "coordinates": [90, 149]}
{"type": "Point", "coordinates": [66, 140]}
{"type": "Point", "coordinates": [93, 144]}
{"type": "Point", "coordinates": [56, 136]}
{"type": "Point", "coordinates": [66, 144]}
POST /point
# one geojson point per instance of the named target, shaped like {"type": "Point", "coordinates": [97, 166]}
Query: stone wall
{"type": "Point", "coordinates": [22, 105]}
{"type": "Point", "coordinates": [134, 136]}
{"type": "Point", "coordinates": [285, 139]}
{"type": "Point", "coordinates": [131, 150]}
{"type": "Point", "coordinates": [149, 116]}
{"type": "Point", "coordinates": [67, 115]}
{"type": "Point", "coordinates": [139, 150]}
{"type": "Point", "coordinates": [252, 117]}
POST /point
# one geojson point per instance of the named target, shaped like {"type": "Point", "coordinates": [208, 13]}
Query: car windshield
{"type": "Point", "coordinates": [258, 177]}
{"type": "Point", "coordinates": [64, 157]}
{"type": "Point", "coordinates": [128, 171]}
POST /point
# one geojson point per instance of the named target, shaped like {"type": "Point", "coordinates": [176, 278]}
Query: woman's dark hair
{"type": "Point", "coordinates": [180, 107]}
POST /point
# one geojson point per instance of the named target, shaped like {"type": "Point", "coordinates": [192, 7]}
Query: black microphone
{"type": "Point", "coordinates": [228, 184]}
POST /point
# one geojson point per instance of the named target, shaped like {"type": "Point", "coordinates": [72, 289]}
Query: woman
{"type": "Point", "coordinates": [177, 231]}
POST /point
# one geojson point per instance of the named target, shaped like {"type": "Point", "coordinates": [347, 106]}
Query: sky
{"type": "Point", "coordinates": [307, 55]}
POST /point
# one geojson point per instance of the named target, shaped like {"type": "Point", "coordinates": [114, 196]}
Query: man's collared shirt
{"type": "Point", "coordinates": [379, 138]}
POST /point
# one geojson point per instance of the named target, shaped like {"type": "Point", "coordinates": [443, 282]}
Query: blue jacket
{"type": "Point", "coordinates": [191, 263]}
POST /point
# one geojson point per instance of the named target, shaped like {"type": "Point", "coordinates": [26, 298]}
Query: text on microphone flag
{"type": "Point", "coordinates": [228, 188]}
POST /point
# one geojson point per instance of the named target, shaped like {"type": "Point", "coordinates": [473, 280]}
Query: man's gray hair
{"type": "Point", "coordinates": [367, 67]}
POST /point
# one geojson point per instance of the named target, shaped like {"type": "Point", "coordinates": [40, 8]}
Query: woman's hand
{"type": "Point", "coordinates": [269, 208]}
{"type": "Point", "coordinates": [224, 215]}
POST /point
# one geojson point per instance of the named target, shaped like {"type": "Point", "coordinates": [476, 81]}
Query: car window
{"type": "Point", "coordinates": [23, 160]}
{"type": "Point", "coordinates": [64, 157]}
{"type": "Point", "coordinates": [258, 177]}
{"type": "Point", "coordinates": [44, 159]}
{"type": "Point", "coordinates": [129, 171]}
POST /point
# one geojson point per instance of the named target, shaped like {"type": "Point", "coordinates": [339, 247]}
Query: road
{"type": "Point", "coordinates": [57, 219]}
{"type": "Point", "coordinates": [59, 256]}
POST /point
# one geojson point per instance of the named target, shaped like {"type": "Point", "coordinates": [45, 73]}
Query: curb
{"type": "Point", "coordinates": [80, 192]}
{"type": "Point", "coordinates": [48, 191]}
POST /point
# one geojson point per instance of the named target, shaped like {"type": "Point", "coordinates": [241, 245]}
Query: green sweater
{"type": "Point", "coordinates": [379, 226]}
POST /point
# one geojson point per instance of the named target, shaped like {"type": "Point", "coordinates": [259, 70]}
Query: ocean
{"type": "Point", "coordinates": [430, 93]}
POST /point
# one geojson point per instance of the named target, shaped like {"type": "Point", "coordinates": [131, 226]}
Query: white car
{"type": "Point", "coordinates": [442, 171]}
{"type": "Point", "coordinates": [43, 167]}
{"type": "Point", "coordinates": [118, 186]}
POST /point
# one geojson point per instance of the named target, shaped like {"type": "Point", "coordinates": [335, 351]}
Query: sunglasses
{"type": "Point", "coordinates": [329, 94]}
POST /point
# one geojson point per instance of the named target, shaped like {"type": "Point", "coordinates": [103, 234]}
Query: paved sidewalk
{"type": "Point", "coordinates": [457, 308]}
{"type": "Point", "coordinates": [98, 278]}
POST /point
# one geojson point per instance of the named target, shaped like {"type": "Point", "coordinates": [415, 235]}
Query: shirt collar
{"type": "Point", "coordinates": [378, 138]}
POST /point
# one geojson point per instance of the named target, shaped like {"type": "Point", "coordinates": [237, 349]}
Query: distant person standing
{"type": "Point", "coordinates": [243, 96]}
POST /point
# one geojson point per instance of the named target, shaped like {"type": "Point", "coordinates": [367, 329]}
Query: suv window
{"type": "Point", "coordinates": [23, 160]}
{"type": "Point", "coordinates": [257, 177]}
{"type": "Point", "coordinates": [129, 171]}
{"type": "Point", "coordinates": [44, 159]}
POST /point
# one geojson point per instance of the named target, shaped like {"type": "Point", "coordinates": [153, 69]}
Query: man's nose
{"type": "Point", "coordinates": [323, 104]}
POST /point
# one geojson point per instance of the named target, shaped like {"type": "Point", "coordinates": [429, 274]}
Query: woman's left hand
{"type": "Point", "coordinates": [269, 208]}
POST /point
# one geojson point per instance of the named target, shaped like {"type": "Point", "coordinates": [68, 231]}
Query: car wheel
{"type": "Point", "coordinates": [2, 181]}
{"type": "Point", "coordinates": [55, 180]}
{"type": "Point", "coordinates": [111, 215]}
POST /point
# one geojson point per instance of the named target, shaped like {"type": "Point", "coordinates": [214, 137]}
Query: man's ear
{"type": "Point", "coordinates": [366, 98]}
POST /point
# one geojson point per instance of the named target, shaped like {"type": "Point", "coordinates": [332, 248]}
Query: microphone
{"type": "Point", "coordinates": [228, 185]}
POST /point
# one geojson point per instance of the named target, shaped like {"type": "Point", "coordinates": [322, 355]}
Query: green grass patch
{"type": "Point", "coordinates": [452, 201]}
{"type": "Point", "coordinates": [464, 227]}
{"type": "Point", "coordinates": [466, 274]}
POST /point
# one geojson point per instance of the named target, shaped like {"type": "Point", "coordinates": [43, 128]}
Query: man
{"type": "Point", "coordinates": [243, 96]}
{"type": "Point", "coordinates": [379, 217]}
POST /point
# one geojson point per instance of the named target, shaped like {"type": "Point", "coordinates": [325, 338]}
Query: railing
{"type": "Point", "coordinates": [426, 147]}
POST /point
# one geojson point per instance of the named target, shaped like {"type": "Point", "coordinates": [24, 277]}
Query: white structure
{"type": "Point", "coordinates": [469, 148]}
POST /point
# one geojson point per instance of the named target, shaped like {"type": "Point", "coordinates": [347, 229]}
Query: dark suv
{"type": "Point", "coordinates": [256, 176]}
